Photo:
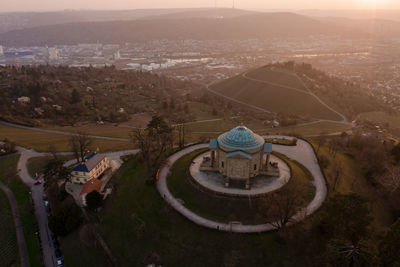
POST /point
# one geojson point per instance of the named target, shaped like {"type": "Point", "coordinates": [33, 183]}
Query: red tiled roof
{"type": "Point", "coordinates": [91, 185]}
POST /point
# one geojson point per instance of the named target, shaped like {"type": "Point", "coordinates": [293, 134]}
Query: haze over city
{"type": "Point", "coordinates": [200, 133]}
{"type": "Point", "coordinates": [50, 5]}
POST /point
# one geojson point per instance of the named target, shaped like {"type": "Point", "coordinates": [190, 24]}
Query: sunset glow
{"type": "Point", "coordinates": [46, 5]}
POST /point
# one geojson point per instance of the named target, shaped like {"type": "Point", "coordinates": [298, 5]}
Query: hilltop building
{"type": "Point", "coordinates": [239, 154]}
{"type": "Point", "coordinates": [93, 167]}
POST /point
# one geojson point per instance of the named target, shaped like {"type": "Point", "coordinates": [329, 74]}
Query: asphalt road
{"type": "Point", "coordinates": [49, 257]}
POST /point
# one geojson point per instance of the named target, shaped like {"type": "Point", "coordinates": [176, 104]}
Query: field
{"type": "Point", "coordinates": [97, 130]}
{"type": "Point", "coordinates": [215, 127]}
{"type": "Point", "coordinates": [8, 175]}
{"type": "Point", "coordinates": [318, 128]}
{"type": "Point", "coordinates": [261, 91]}
{"type": "Point", "coordinates": [224, 209]}
{"type": "Point", "coordinates": [41, 141]}
{"type": "Point", "coordinates": [8, 250]}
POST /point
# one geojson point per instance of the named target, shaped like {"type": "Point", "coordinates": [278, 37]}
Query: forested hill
{"type": "Point", "coordinates": [257, 25]}
{"type": "Point", "coordinates": [64, 96]}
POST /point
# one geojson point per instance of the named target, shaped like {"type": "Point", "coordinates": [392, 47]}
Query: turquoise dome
{"type": "Point", "coordinates": [241, 138]}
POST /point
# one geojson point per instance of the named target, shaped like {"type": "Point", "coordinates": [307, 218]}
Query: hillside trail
{"type": "Point", "coordinates": [308, 92]}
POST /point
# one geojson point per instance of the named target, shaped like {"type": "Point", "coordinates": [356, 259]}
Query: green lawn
{"type": "Point", "coordinates": [8, 175]}
{"type": "Point", "coordinates": [225, 209]}
{"type": "Point", "coordinates": [9, 255]}
{"type": "Point", "coordinates": [82, 250]}
{"type": "Point", "coordinates": [41, 141]}
{"type": "Point", "coordinates": [278, 76]}
{"type": "Point", "coordinates": [98, 130]}
{"type": "Point", "coordinates": [311, 129]}
{"type": "Point", "coordinates": [273, 97]}
{"type": "Point", "coordinates": [137, 222]}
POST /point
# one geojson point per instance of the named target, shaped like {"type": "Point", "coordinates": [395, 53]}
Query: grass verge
{"type": "Point", "coordinates": [9, 255]}
{"type": "Point", "coordinates": [41, 141]}
{"type": "Point", "coordinates": [8, 175]}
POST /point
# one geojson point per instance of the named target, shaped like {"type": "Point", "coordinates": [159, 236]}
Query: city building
{"type": "Point", "coordinates": [24, 99]}
{"type": "Point", "coordinates": [239, 154]}
{"type": "Point", "coordinates": [53, 53]}
{"type": "Point", "coordinates": [93, 167]}
{"type": "Point", "coordinates": [1, 50]}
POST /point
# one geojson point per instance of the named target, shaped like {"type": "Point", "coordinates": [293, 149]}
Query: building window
{"type": "Point", "coordinates": [222, 164]}
{"type": "Point", "coordinates": [255, 166]}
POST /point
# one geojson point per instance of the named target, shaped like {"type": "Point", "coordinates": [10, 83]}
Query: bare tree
{"type": "Point", "coordinates": [181, 128]}
{"type": "Point", "coordinates": [337, 170]}
{"type": "Point", "coordinates": [321, 139]}
{"type": "Point", "coordinates": [283, 205]}
{"type": "Point", "coordinates": [391, 178]}
{"type": "Point", "coordinates": [80, 144]}
{"type": "Point", "coordinates": [154, 142]}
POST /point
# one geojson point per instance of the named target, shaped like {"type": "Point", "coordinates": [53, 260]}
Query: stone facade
{"type": "Point", "coordinates": [239, 154]}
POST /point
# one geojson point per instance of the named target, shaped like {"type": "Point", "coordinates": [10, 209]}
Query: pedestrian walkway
{"type": "Point", "coordinates": [302, 152]}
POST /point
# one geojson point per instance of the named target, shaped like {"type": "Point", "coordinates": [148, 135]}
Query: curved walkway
{"type": "Point", "coordinates": [23, 251]}
{"type": "Point", "coordinates": [302, 152]}
{"type": "Point", "coordinates": [262, 185]}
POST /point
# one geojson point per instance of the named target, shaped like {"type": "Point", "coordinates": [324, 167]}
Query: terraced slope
{"type": "Point", "coordinates": [275, 90]}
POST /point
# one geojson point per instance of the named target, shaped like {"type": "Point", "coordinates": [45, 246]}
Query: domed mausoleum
{"type": "Point", "coordinates": [240, 154]}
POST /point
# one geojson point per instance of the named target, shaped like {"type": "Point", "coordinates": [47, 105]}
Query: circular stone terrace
{"type": "Point", "coordinates": [260, 185]}
{"type": "Point", "coordinates": [302, 153]}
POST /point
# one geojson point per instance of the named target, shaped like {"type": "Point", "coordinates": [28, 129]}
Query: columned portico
{"type": "Point", "coordinates": [240, 155]}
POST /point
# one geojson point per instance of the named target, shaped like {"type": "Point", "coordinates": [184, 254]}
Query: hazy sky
{"type": "Point", "coordinates": [45, 5]}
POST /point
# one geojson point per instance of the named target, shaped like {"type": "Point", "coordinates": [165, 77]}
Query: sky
{"type": "Point", "coordinates": [51, 5]}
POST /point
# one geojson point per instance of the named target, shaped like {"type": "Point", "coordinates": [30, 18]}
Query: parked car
{"type": "Point", "coordinates": [37, 182]}
{"type": "Point", "coordinates": [58, 253]}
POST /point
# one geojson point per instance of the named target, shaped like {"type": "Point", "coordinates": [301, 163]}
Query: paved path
{"type": "Point", "coordinates": [23, 251]}
{"type": "Point", "coordinates": [302, 152]}
{"type": "Point", "coordinates": [40, 210]}
{"type": "Point", "coordinates": [49, 257]}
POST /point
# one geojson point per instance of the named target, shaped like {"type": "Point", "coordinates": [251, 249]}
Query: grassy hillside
{"type": "Point", "coordinates": [8, 175]}
{"type": "Point", "coordinates": [275, 91]}
{"type": "Point", "coordinates": [41, 141]}
{"type": "Point", "coordinates": [8, 250]}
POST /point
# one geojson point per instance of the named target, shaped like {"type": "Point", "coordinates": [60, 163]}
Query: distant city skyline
{"type": "Point", "coordinates": [51, 5]}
